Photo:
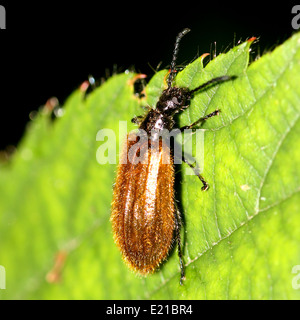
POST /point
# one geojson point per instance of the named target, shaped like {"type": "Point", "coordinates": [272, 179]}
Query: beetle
{"type": "Point", "coordinates": [145, 218]}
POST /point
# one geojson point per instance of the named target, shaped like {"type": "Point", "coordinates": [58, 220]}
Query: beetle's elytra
{"type": "Point", "coordinates": [145, 218]}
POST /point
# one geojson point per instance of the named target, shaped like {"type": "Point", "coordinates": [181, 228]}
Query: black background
{"type": "Point", "coordinates": [49, 48]}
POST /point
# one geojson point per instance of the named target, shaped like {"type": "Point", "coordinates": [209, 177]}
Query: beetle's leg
{"type": "Point", "coordinates": [192, 126]}
{"type": "Point", "coordinates": [201, 120]}
{"type": "Point", "coordinates": [137, 120]}
{"type": "Point", "coordinates": [196, 171]}
{"type": "Point", "coordinates": [194, 168]}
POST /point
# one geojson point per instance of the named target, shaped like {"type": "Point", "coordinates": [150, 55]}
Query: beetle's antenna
{"type": "Point", "coordinates": [175, 52]}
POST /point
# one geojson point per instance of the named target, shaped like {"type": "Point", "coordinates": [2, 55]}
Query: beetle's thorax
{"type": "Point", "coordinates": [172, 101]}
{"type": "Point", "coordinates": [156, 121]}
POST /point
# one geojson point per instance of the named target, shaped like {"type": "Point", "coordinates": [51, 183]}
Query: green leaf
{"type": "Point", "coordinates": [242, 238]}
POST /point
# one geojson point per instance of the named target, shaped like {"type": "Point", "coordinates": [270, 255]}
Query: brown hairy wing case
{"type": "Point", "coordinates": [143, 209]}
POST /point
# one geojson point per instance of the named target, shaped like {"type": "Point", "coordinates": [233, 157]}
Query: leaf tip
{"type": "Point", "coordinates": [84, 86]}
{"type": "Point", "coordinates": [136, 77]}
{"type": "Point", "coordinates": [252, 39]}
{"type": "Point", "coordinates": [203, 56]}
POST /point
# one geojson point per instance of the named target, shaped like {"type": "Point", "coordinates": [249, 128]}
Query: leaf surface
{"type": "Point", "coordinates": [242, 238]}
